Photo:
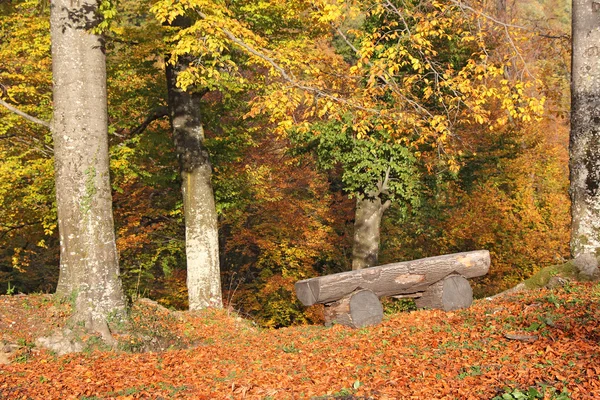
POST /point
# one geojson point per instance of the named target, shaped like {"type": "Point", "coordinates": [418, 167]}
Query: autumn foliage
{"type": "Point", "coordinates": [542, 342]}
{"type": "Point", "coordinates": [306, 103]}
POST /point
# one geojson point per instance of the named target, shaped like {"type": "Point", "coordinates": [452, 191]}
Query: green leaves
{"type": "Point", "coordinates": [533, 393]}
{"type": "Point", "coordinates": [374, 165]}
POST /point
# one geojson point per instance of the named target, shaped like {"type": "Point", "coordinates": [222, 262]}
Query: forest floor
{"type": "Point", "coordinates": [537, 344]}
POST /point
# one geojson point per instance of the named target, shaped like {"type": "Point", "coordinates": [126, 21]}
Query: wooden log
{"type": "Point", "coordinates": [393, 279]}
{"type": "Point", "coordinates": [451, 293]}
{"type": "Point", "coordinates": [358, 309]}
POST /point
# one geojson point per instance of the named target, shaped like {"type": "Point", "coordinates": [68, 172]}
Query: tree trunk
{"type": "Point", "coordinates": [201, 230]}
{"type": "Point", "coordinates": [501, 10]}
{"type": "Point", "coordinates": [584, 157]}
{"type": "Point", "coordinates": [367, 225]}
{"type": "Point", "coordinates": [88, 256]}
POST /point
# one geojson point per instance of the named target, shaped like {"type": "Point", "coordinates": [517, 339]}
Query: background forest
{"type": "Point", "coordinates": [289, 165]}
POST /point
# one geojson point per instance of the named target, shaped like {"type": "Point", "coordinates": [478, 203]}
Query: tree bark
{"type": "Point", "coordinates": [584, 160]}
{"type": "Point", "coordinates": [88, 256]}
{"type": "Point", "coordinates": [501, 10]}
{"type": "Point", "coordinates": [358, 309]}
{"type": "Point", "coordinates": [393, 279]}
{"type": "Point", "coordinates": [201, 230]}
{"type": "Point", "coordinates": [367, 227]}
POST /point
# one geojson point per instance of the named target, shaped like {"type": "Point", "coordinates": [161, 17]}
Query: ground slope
{"type": "Point", "coordinates": [543, 339]}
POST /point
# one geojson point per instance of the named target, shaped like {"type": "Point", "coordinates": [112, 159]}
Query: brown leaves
{"type": "Point", "coordinates": [421, 354]}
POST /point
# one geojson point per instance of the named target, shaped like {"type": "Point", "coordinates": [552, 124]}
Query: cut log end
{"type": "Point", "coordinates": [358, 309]}
{"type": "Point", "coordinates": [451, 293]}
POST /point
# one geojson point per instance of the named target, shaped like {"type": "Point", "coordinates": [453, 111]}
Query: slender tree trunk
{"type": "Point", "coordinates": [367, 226]}
{"type": "Point", "coordinates": [585, 129]}
{"type": "Point", "coordinates": [201, 231]}
{"type": "Point", "coordinates": [501, 10]}
{"type": "Point", "coordinates": [88, 255]}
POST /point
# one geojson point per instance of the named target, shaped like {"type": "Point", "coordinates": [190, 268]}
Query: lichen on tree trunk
{"type": "Point", "coordinates": [584, 158]}
{"type": "Point", "coordinates": [89, 266]}
{"type": "Point", "coordinates": [201, 230]}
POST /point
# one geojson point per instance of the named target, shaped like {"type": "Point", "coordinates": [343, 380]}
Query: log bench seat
{"type": "Point", "coordinates": [352, 298]}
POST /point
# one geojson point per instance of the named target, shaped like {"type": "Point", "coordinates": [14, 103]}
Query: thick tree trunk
{"type": "Point", "coordinates": [88, 255]}
{"type": "Point", "coordinates": [367, 226]}
{"type": "Point", "coordinates": [585, 129]}
{"type": "Point", "coordinates": [201, 231]}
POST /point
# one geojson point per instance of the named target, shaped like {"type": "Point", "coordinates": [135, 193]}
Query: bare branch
{"type": "Point", "coordinates": [157, 113]}
{"type": "Point", "coordinates": [547, 36]}
{"type": "Point", "coordinates": [505, 25]}
{"type": "Point", "coordinates": [36, 143]}
{"type": "Point", "coordinates": [386, 179]}
{"type": "Point", "coordinates": [462, 5]}
{"type": "Point", "coordinates": [348, 42]}
{"type": "Point", "coordinates": [25, 115]}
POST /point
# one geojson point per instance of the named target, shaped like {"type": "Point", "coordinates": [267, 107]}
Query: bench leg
{"type": "Point", "coordinates": [358, 309]}
{"type": "Point", "coordinates": [451, 293]}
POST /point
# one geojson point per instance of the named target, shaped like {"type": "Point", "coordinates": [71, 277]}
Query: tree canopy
{"type": "Point", "coordinates": [451, 114]}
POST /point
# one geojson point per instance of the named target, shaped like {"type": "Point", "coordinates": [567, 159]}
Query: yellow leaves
{"type": "Point", "coordinates": [328, 11]}
{"type": "Point", "coordinates": [328, 105]}
{"type": "Point", "coordinates": [167, 10]}
{"type": "Point", "coordinates": [20, 259]}
{"type": "Point", "coordinates": [416, 64]}
{"type": "Point", "coordinates": [439, 123]}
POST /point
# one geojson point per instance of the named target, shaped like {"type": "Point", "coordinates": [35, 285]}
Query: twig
{"type": "Point", "coordinates": [460, 4]}
{"type": "Point", "coordinates": [506, 26]}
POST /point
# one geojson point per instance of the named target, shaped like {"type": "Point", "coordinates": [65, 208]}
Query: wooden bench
{"type": "Point", "coordinates": [352, 298]}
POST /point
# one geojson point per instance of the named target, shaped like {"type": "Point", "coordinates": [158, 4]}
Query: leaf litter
{"type": "Point", "coordinates": [517, 343]}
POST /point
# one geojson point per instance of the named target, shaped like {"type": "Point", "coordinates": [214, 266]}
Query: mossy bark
{"type": "Point", "coordinates": [585, 129]}
{"type": "Point", "coordinates": [89, 265]}
{"type": "Point", "coordinates": [201, 230]}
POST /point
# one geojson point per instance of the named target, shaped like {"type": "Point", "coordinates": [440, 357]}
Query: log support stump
{"type": "Point", "coordinates": [358, 309]}
{"type": "Point", "coordinates": [451, 293]}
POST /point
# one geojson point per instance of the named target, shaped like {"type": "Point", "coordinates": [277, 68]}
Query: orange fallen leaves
{"type": "Point", "coordinates": [421, 355]}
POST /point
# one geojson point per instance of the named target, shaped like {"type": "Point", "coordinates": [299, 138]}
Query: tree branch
{"type": "Point", "coordinates": [157, 113]}
{"type": "Point", "coordinates": [287, 77]}
{"type": "Point", "coordinates": [25, 115]}
{"type": "Point", "coordinates": [462, 5]}
{"type": "Point", "coordinates": [386, 180]}
{"type": "Point", "coordinates": [4, 229]}
{"type": "Point", "coordinates": [505, 25]}
{"type": "Point", "coordinates": [547, 36]}
{"type": "Point", "coordinates": [389, 82]}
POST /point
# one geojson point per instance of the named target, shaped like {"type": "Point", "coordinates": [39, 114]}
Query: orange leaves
{"type": "Point", "coordinates": [422, 354]}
